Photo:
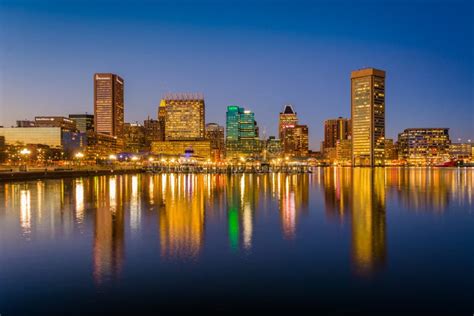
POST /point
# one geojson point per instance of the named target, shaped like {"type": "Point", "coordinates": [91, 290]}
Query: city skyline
{"type": "Point", "coordinates": [306, 63]}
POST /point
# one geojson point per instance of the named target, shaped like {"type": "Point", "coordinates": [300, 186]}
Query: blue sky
{"type": "Point", "coordinates": [256, 54]}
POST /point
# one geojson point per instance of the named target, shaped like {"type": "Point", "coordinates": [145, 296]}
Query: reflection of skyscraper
{"type": "Point", "coordinates": [109, 230]}
{"type": "Point", "coordinates": [368, 220]}
{"type": "Point", "coordinates": [293, 196]}
{"type": "Point", "coordinates": [242, 196]}
{"type": "Point", "coordinates": [182, 217]}
{"type": "Point", "coordinates": [368, 117]}
{"type": "Point", "coordinates": [337, 192]}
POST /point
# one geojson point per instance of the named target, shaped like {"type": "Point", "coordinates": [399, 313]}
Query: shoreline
{"type": "Point", "coordinates": [7, 176]}
{"type": "Point", "coordinates": [51, 174]}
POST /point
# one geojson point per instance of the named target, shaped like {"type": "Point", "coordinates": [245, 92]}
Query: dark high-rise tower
{"type": "Point", "coordinates": [108, 104]}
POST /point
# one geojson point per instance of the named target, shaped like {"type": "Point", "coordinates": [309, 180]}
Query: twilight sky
{"type": "Point", "coordinates": [256, 54]}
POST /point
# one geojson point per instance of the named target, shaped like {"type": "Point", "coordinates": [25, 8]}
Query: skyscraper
{"type": "Point", "coordinates": [108, 104]}
{"type": "Point", "coordinates": [161, 115]}
{"type": "Point", "coordinates": [184, 119]}
{"type": "Point", "coordinates": [288, 118]}
{"type": "Point", "coordinates": [241, 133]}
{"type": "Point", "coordinates": [295, 141]}
{"type": "Point", "coordinates": [368, 117]}
{"type": "Point", "coordinates": [336, 129]}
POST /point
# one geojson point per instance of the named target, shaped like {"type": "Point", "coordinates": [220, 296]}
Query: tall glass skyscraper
{"type": "Point", "coordinates": [241, 133]}
{"type": "Point", "coordinates": [368, 117]}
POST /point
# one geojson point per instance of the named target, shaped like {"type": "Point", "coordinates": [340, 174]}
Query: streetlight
{"type": "Point", "coordinates": [25, 152]}
{"type": "Point", "coordinates": [79, 156]}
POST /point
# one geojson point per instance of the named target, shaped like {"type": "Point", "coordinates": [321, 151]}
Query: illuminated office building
{"type": "Point", "coordinates": [53, 137]}
{"type": "Point", "coordinates": [134, 137]}
{"type": "Point", "coordinates": [424, 145]}
{"type": "Point", "coordinates": [390, 150]}
{"type": "Point", "coordinates": [84, 122]}
{"type": "Point", "coordinates": [368, 117]}
{"type": "Point", "coordinates": [180, 148]}
{"type": "Point", "coordinates": [343, 151]}
{"type": "Point", "coordinates": [273, 148]}
{"type": "Point", "coordinates": [295, 141]}
{"type": "Point", "coordinates": [108, 104]}
{"type": "Point", "coordinates": [153, 131]}
{"type": "Point", "coordinates": [64, 123]}
{"type": "Point", "coordinates": [241, 133]}
{"type": "Point", "coordinates": [161, 115]}
{"type": "Point", "coordinates": [287, 119]}
{"type": "Point", "coordinates": [461, 151]}
{"type": "Point", "coordinates": [184, 118]}
{"type": "Point", "coordinates": [100, 146]}
{"type": "Point", "coordinates": [215, 134]}
{"type": "Point", "coordinates": [336, 129]}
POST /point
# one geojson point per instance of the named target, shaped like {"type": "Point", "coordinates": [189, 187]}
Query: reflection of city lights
{"type": "Point", "coordinates": [247, 226]}
{"type": "Point", "coordinates": [79, 200]}
{"type": "Point", "coordinates": [25, 212]}
{"type": "Point", "coordinates": [134, 205]}
{"type": "Point", "coordinates": [112, 193]}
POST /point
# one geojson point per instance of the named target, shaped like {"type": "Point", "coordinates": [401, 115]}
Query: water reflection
{"type": "Point", "coordinates": [181, 217]}
{"type": "Point", "coordinates": [181, 208]}
{"type": "Point", "coordinates": [25, 213]}
{"type": "Point", "coordinates": [368, 220]}
{"type": "Point", "coordinates": [108, 249]}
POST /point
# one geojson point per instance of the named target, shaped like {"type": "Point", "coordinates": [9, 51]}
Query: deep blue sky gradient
{"type": "Point", "coordinates": [259, 55]}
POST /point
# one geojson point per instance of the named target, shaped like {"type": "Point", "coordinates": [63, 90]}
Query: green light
{"type": "Point", "coordinates": [233, 227]}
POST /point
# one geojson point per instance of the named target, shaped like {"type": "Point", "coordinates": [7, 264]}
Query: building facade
{"type": "Point", "coordinates": [185, 116]}
{"type": "Point", "coordinates": [241, 134]}
{"type": "Point", "coordinates": [134, 137]}
{"type": "Point", "coordinates": [368, 117]}
{"type": "Point", "coordinates": [343, 152]}
{"type": "Point", "coordinates": [62, 122]}
{"type": "Point", "coordinates": [336, 129]}
{"type": "Point", "coordinates": [109, 104]}
{"type": "Point", "coordinates": [53, 137]}
{"type": "Point", "coordinates": [287, 118]}
{"type": "Point", "coordinates": [424, 146]}
{"type": "Point", "coordinates": [153, 131]}
{"type": "Point", "coordinates": [215, 134]}
{"type": "Point", "coordinates": [273, 148]}
{"type": "Point", "coordinates": [295, 141]}
{"type": "Point", "coordinates": [177, 148]}
{"type": "Point", "coordinates": [84, 122]}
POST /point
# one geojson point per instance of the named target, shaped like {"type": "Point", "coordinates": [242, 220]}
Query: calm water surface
{"type": "Point", "coordinates": [338, 240]}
